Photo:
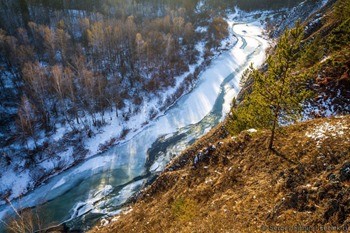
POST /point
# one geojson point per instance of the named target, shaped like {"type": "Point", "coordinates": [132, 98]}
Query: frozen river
{"type": "Point", "coordinates": [99, 186]}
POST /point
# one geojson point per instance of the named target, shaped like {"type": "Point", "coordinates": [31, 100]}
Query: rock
{"type": "Point", "coordinates": [211, 148]}
{"type": "Point", "coordinates": [333, 206]}
{"type": "Point", "coordinates": [332, 177]}
{"type": "Point", "coordinates": [197, 159]}
{"type": "Point", "coordinates": [345, 172]}
{"type": "Point", "coordinates": [104, 222]}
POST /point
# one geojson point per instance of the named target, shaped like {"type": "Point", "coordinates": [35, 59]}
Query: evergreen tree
{"type": "Point", "coordinates": [277, 94]}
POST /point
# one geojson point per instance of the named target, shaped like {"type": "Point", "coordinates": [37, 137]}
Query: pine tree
{"type": "Point", "coordinates": [277, 94]}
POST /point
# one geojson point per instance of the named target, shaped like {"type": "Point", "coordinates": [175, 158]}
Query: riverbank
{"type": "Point", "coordinates": [242, 187]}
{"type": "Point", "coordinates": [121, 171]}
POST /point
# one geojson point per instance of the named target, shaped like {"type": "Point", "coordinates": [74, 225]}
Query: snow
{"type": "Point", "coordinates": [254, 37]}
{"type": "Point", "coordinates": [60, 131]}
{"type": "Point", "coordinates": [82, 208]}
{"type": "Point", "coordinates": [128, 191]}
{"type": "Point", "coordinates": [131, 153]}
{"type": "Point", "coordinates": [324, 2]}
{"type": "Point", "coordinates": [320, 133]}
{"type": "Point", "coordinates": [201, 103]}
{"type": "Point", "coordinates": [157, 166]}
{"type": "Point", "coordinates": [59, 183]}
{"type": "Point", "coordinates": [201, 29]}
{"type": "Point", "coordinates": [115, 126]}
{"type": "Point", "coordinates": [16, 183]}
{"type": "Point", "coordinates": [252, 131]}
{"type": "Point", "coordinates": [325, 59]}
{"type": "Point", "coordinates": [324, 107]}
{"type": "Point", "coordinates": [113, 129]}
{"type": "Point", "coordinates": [199, 6]}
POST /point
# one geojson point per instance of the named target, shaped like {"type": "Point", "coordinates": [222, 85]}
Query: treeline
{"type": "Point", "coordinates": [85, 64]}
{"type": "Point", "coordinates": [17, 13]}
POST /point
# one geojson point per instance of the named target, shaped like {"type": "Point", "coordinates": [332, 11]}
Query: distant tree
{"type": "Point", "coordinates": [3, 49]}
{"type": "Point", "coordinates": [26, 119]}
{"type": "Point", "coordinates": [57, 77]}
{"type": "Point", "coordinates": [48, 42]}
{"type": "Point", "coordinates": [24, 12]}
{"type": "Point", "coordinates": [189, 33]}
{"type": "Point", "coordinates": [218, 30]}
{"type": "Point", "coordinates": [178, 25]}
{"type": "Point", "coordinates": [62, 40]}
{"type": "Point", "coordinates": [139, 44]}
{"type": "Point", "coordinates": [22, 36]}
{"type": "Point", "coordinates": [96, 37]}
{"type": "Point", "coordinates": [73, 63]}
{"type": "Point", "coordinates": [70, 89]}
{"type": "Point", "coordinates": [38, 88]}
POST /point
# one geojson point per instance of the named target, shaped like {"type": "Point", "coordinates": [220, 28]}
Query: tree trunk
{"type": "Point", "coordinates": [272, 135]}
{"type": "Point", "coordinates": [273, 130]}
{"type": "Point", "coordinates": [25, 13]}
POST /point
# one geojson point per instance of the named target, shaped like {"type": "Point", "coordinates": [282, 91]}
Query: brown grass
{"type": "Point", "coordinates": [244, 187]}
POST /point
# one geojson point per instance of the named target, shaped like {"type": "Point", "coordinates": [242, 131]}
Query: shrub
{"type": "Point", "coordinates": [184, 209]}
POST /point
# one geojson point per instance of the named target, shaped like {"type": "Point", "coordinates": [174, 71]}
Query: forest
{"type": "Point", "coordinates": [97, 97]}
{"type": "Point", "coordinates": [67, 62]}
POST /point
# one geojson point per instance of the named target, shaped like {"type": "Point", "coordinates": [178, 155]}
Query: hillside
{"type": "Point", "coordinates": [234, 184]}
{"type": "Point", "coordinates": [78, 77]}
{"type": "Point", "coordinates": [242, 187]}
{"type": "Point", "coordinates": [96, 101]}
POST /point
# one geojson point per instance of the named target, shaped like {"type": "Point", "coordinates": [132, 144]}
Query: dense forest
{"type": "Point", "coordinates": [68, 62]}
{"type": "Point", "coordinates": [82, 62]}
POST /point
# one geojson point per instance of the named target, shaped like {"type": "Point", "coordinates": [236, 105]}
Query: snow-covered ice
{"type": "Point", "coordinates": [131, 154]}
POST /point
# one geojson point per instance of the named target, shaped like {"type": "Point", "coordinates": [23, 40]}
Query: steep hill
{"type": "Point", "coordinates": [241, 187]}
{"type": "Point", "coordinates": [234, 184]}
{"type": "Point", "coordinates": [324, 58]}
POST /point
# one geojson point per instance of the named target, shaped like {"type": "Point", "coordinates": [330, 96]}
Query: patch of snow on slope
{"type": "Point", "coordinates": [321, 132]}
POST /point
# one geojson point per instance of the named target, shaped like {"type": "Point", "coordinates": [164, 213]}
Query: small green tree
{"type": "Point", "coordinates": [276, 94]}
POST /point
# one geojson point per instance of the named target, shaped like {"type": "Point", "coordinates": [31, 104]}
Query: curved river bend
{"type": "Point", "coordinates": [99, 186]}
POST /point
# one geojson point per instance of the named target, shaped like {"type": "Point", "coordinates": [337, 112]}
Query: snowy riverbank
{"type": "Point", "coordinates": [120, 170]}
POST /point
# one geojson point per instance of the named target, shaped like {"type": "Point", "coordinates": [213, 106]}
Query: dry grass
{"type": "Point", "coordinates": [244, 187]}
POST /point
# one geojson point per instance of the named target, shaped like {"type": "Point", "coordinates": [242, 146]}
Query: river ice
{"type": "Point", "coordinates": [126, 161]}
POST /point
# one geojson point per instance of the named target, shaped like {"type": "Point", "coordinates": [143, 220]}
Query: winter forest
{"type": "Point", "coordinates": [67, 61]}
{"type": "Point", "coordinates": [108, 106]}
